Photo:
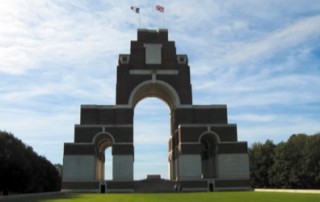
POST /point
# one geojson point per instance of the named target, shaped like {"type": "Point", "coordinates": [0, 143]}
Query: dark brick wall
{"type": "Point", "coordinates": [232, 183]}
{"type": "Point", "coordinates": [126, 82]}
{"type": "Point", "coordinates": [80, 185]}
{"type": "Point", "coordinates": [100, 114]}
{"type": "Point", "coordinates": [120, 185]}
{"type": "Point", "coordinates": [206, 114]}
{"type": "Point", "coordinates": [194, 184]}
{"type": "Point", "coordinates": [78, 149]}
{"type": "Point", "coordinates": [122, 149]}
{"type": "Point", "coordinates": [190, 148]}
{"type": "Point", "coordinates": [227, 133]}
{"type": "Point", "coordinates": [85, 134]}
{"type": "Point", "coordinates": [192, 132]}
{"type": "Point", "coordinates": [233, 148]}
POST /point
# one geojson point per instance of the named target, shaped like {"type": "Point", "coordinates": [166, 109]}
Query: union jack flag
{"type": "Point", "coordinates": [160, 8]}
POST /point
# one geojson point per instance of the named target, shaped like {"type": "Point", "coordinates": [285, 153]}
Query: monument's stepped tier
{"type": "Point", "coordinates": [154, 186]}
{"type": "Point", "coordinates": [204, 153]}
{"type": "Point", "coordinates": [153, 58]}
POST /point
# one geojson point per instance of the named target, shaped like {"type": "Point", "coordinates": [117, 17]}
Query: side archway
{"type": "Point", "coordinates": [102, 141]}
{"type": "Point", "coordinates": [209, 148]}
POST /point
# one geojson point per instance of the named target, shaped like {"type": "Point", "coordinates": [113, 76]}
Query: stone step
{"type": "Point", "coordinates": [154, 186]}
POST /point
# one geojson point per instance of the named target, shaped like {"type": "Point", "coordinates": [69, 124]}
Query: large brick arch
{"type": "Point", "coordinates": [159, 89]}
{"type": "Point", "coordinates": [154, 69]}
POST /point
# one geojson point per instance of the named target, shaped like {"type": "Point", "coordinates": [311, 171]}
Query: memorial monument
{"type": "Point", "coordinates": [204, 152]}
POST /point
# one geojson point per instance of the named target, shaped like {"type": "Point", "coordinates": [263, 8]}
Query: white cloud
{"type": "Point", "coordinates": [260, 90]}
{"type": "Point", "coordinates": [276, 131]}
{"type": "Point", "coordinates": [28, 38]}
{"type": "Point", "coordinates": [253, 117]}
{"type": "Point", "coordinates": [285, 38]}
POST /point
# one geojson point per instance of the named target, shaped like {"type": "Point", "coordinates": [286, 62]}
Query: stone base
{"type": "Point", "coordinates": [229, 185]}
{"type": "Point", "coordinates": [81, 186]}
{"type": "Point", "coordinates": [160, 185]}
{"type": "Point", "coordinates": [119, 186]}
{"type": "Point", "coordinates": [193, 186]}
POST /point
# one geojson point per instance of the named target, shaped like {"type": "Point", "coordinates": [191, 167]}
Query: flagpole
{"type": "Point", "coordinates": [164, 20]}
{"type": "Point", "coordinates": [139, 20]}
{"type": "Point", "coordinates": [137, 11]}
{"type": "Point", "coordinates": [161, 10]}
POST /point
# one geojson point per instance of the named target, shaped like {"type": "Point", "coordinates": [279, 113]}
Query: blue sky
{"type": "Point", "coordinates": [261, 58]}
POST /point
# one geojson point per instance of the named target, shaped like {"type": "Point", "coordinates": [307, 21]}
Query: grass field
{"type": "Point", "coordinates": [183, 197]}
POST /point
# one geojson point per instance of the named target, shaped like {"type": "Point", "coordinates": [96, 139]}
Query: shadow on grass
{"type": "Point", "coordinates": [40, 198]}
{"type": "Point", "coordinates": [173, 197]}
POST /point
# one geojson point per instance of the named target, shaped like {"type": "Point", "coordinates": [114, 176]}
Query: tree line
{"type": "Point", "coordinates": [22, 170]}
{"type": "Point", "coordinates": [294, 164]}
{"type": "Point", "coordinates": [291, 164]}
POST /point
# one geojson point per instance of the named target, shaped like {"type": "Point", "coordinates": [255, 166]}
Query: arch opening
{"type": "Point", "coordinates": [103, 143]}
{"type": "Point", "coordinates": [157, 88]}
{"type": "Point", "coordinates": [209, 148]}
{"type": "Point", "coordinates": [151, 135]}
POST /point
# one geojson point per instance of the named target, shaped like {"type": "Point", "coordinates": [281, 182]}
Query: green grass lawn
{"type": "Point", "coordinates": [177, 197]}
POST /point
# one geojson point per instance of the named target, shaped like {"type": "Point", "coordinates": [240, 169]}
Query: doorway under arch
{"type": "Point", "coordinates": [103, 142]}
{"type": "Point", "coordinates": [151, 135]}
{"type": "Point", "coordinates": [209, 148]}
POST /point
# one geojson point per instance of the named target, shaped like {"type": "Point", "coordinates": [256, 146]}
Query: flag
{"type": "Point", "coordinates": [160, 8]}
{"type": "Point", "coordinates": [135, 9]}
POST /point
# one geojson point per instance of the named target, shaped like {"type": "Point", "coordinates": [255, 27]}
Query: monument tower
{"type": "Point", "coordinates": [204, 153]}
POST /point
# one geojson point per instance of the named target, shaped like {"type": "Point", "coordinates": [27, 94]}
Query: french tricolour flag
{"type": "Point", "coordinates": [135, 9]}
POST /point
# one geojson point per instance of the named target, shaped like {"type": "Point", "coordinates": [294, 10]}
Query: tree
{"type": "Point", "coordinates": [22, 170]}
{"type": "Point", "coordinates": [261, 160]}
{"type": "Point", "coordinates": [290, 168]}
{"type": "Point", "coordinates": [313, 160]}
{"type": "Point", "coordinates": [15, 167]}
{"type": "Point", "coordinates": [59, 168]}
{"type": "Point", "coordinates": [291, 164]}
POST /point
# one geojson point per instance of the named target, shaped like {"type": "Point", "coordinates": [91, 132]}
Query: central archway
{"type": "Point", "coordinates": [155, 88]}
{"type": "Point", "coordinates": [151, 135]}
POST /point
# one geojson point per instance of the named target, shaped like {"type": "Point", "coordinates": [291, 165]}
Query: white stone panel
{"type": "Point", "coordinates": [123, 167]}
{"type": "Point", "coordinates": [78, 168]}
{"type": "Point", "coordinates": [233, 166]}
{"type": "Point", "coordinates": [170, 170]}
{"type": "Point", "coordinates": [189, 167]}
{"type": "Point", "coordinates": [175, 169]}
{"type": "Point", "coordinates": [153, 53]}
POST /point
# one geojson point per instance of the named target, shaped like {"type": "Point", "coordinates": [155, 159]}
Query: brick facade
{"type": "Point", "coordinates": [199, 133]}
